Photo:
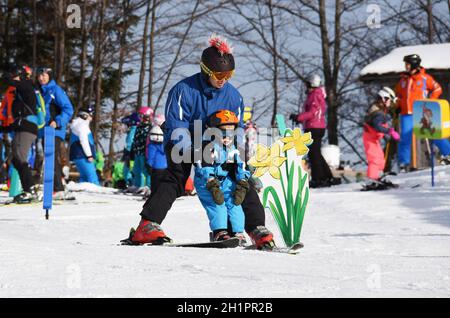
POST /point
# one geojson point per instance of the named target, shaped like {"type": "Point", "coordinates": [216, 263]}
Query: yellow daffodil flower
{"type": "Point", "coordinates": [298, 141]}
{"type": "Point", "coordinates": [267, 159]}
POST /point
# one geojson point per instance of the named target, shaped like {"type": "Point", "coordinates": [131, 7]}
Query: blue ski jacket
{"type": "Point", "coordinates": [156, 157]}
{"type": "Point", "coordinates": [58, 108]}
{"type": "Point", "coordinates": [194, 99]}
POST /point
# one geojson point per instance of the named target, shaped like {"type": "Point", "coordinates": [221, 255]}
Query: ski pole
{"type": "Point", "coordinates": [432, 162]}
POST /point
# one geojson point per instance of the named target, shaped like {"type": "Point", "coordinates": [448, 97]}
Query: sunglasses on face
{"type": "Point", "coordinates": [218, 76]}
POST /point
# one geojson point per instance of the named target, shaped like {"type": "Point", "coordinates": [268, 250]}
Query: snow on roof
{"type": "Point", "coordinates": [434, 56]}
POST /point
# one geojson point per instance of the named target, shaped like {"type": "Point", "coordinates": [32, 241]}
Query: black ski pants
{"type": "Point", "coordinates": [171, 186]}
{"type": "Point", "coordinates": [20, 148]}
{"type": "Point", "coordinates": [320, 171]}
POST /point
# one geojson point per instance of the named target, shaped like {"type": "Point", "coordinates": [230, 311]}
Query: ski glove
{"type": "Point", "coordinates": [213, 186]}
{"type": "Point", "coordinates": [242, 187]}
{"type": "Point", "coordinates": [293, 117]}
{"type": "Point", "coordinates": [394, 134]}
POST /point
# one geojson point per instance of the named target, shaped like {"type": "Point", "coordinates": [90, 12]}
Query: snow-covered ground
{"type": "Point", "coordinates": [392, 243]}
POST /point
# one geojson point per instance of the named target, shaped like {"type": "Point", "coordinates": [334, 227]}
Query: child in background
{"type": "Point", "coordinates": [131, 121]}
{"type": "Point", "coordinates": [141, 176]}
{"type": "Point", "coordinates": [377, 124]}
{"type": "Point", "coordinates": [223, 183]}
{"type": "Point", "coordinates": [156, 157]}
{"type": "Point", "coordinates": [82, 146]}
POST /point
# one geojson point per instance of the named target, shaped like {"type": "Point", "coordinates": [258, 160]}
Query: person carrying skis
{"type": "Point", "coordinates": [313, 120]}
{"type": "Point", "coordinates": [415, 84]}
{"type": "Point", "coordinates": [22, 106]}
{"type": "Point", "coordinates": [141, 176]}
{"type": "Point", "coordinates": [156, 161]}
{"type": "Point", "coordinates": [82, 146]}
{"type": "Point", "coordinates": [194, 99]}
{"type": "Point", "coordinates": [377, 124]}
{"type": "Point", "coordinates": [222, 181]}
{"type": "Point", "coordinates": [59, 111]}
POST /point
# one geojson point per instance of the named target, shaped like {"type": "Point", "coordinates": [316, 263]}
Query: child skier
{"type": "Point", "coordinates": [131, 121]}
{"type": "Point", "coordinates": [223, 183]}
{"type": "Point", "coordinates": [82, 146]}
{"type": "Point", "coordinates": [156, 158]}
{"type": "Point", "coordinates": [377, 124]}
{"type": "Point", "coordinates": [141, 176]}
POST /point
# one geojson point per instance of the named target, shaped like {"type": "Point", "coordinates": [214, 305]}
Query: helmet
{"type": "Point", "coordinates": [218, 56]}
{"type": "Point", "coordinates": [159, 119]}
{"type": "Point", "coordinates": [43, 69]}
{"type": "Point", "coordinates": [28, 71]}
{"type": "Point", "coordinates": [248, 112]}
{"type": "Point", "coordinates": [386, 92]}
{"type": "Point", "coordinates": [314, 80]}
{"type": "Point", "coordinates": [413, 59]}
{"type": "Point", "coordinates": [85, 111]}
{"type": "Point", "coordinates": [222, 117]}
{"type": "Point", "coordinates": [16, 70]}
{"type": "Point", "coordinates": [131, 120]}
{"type": "Point", "coordinates": [146, 111]}
{"type": "Point", "coordinates": [156, 134]}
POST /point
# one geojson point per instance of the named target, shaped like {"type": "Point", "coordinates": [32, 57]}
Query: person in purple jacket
{"type": "Point", "coordinates": [313, 120]}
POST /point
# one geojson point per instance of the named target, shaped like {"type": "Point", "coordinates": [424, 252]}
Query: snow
{"type": "Point", "coordinates": [357, 244]}
{"type": "Point", "coordinates": [434, 56]}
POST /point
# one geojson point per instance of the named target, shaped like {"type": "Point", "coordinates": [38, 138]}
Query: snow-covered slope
{"type": "Point", "coordinates": [357, 244]}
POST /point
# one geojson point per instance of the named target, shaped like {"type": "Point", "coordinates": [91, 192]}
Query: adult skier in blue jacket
{"type": "Point", "coordinates": [195, 99]}
{"type": "Point", "coordinates": [59, 111]}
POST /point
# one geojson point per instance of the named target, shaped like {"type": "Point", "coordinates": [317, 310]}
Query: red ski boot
{"type": "Point", "coordinates": [262, 238]}
{"type": "Point", "coordinates": [149, 232]}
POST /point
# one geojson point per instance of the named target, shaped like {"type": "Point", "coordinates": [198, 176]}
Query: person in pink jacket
{"type": "Point", "coordinates": [377, 124]}
{"type": "Point", "coordinates": [313, 120]}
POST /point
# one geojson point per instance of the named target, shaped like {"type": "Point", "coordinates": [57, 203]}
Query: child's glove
{"type": "Point", "coordinates": [213, 186]}
{"type": "Point", "coordinates": [394, 134]}
{"type": "Point", "coordinates": [242, 187]}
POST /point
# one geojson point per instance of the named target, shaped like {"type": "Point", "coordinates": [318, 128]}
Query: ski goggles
{"type": "Point", "coordinates": [41, 70]}
{"type": "Point", "coordinates": [218, 76]}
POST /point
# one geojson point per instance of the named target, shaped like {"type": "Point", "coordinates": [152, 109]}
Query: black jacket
{"type": "Point", "coordinates": [24, 105]}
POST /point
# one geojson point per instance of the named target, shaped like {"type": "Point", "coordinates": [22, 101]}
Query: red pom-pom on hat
{"type": "Point", "coordinates": [221, 44]}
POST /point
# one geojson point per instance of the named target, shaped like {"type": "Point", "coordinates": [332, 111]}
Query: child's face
{"type": "Point", "coordinates": [227, 134]}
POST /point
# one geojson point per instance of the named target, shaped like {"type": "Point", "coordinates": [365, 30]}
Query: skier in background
{"type": "Point", "coordinates": [21, 114]}
{"type": "Point", "coordinates": [251, 134]}
{"type": "Point", "coordinates": [377, 124]}
{"type": "Point", "coordinates": [82, 146]}
{"type": "Point", "coordinates": [223, 183]}
{"type": "Point", "coordinates": [415, 84]}
{"type": "Point", "coordinates": [156, 161]}
{"type": "Point", "coordinates": [131, 121]}
{"type": "Point", "coordinates": [59, 111]}
{"type": "Point", "coordinates": [313, 120]}
{"type": "Point", "coordinates": [141, 176]}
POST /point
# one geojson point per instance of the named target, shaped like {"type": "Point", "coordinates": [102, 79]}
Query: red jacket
{"type": "Point", "coordinates": [314, 110]}
{"type": "Point", "coordinates": [6, 116]}
{"type": "Point", "coordinates": [413, 87]}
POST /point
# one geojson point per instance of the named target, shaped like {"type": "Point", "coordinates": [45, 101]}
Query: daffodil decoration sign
{"type": "Point", "coordinates": [285, 182]}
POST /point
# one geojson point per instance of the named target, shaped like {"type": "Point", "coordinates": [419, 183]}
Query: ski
{"type": "Point", "coordinates": [230, 243]}
{"type": "Point", "coordinates": [294, 249]}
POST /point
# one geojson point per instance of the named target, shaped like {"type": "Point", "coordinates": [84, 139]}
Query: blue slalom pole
{"type": "Point", "coordinates": [49, 168]}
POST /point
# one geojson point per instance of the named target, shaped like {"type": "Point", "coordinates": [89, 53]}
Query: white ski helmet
{"type": "Point", "coordinates": [156, 134]}
{"type": "Point", "coordinates": [386, 92]}
{"type": "Point", "coordinates": [314, 80]}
